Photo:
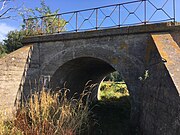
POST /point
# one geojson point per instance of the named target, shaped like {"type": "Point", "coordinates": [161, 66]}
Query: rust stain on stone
{"type": "Point", "coordinates": [114, 60]}
{"type": "Point", "coordinates": [123, 46]}
{"type": "Point", "coordinates": [149, 49]}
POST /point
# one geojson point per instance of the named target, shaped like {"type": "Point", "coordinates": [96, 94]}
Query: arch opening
{"type": "Point", "coordinates": [113, 107]}
{"type": "Point", "coordinates": [75, 73]}
{"type": "Point", "coordinates": [112, 87]}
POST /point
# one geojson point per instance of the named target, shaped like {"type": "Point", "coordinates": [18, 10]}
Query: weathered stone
{"type": "Point", "coordinates": [12, 69]}
{"type": "Point", "coordinates": [76, 58]}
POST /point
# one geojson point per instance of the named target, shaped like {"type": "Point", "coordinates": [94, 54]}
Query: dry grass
{"type": "Point", "coordinates": [50, 114]}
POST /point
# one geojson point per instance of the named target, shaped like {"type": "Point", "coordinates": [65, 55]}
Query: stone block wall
{"type": "Point", "coordinates": [12, 67]}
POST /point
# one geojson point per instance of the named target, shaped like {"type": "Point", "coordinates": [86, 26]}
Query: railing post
{"type": "Point", "coordinates": [42, 19]}
{"type": "Point", "coordinates": [174, 10]}
{"type": "Point", "coordinates": [76, 21]}
{"type": "Point", "coordinates": [145, 10]}
{"type": "Point", "coordinates": [119, 16]}
{"type": "Point", "coordinates": [40, 25]}
{"type": "Point", "coordinates": [96, 18]}
{"type": "Point", "coordinates": [58, 23]}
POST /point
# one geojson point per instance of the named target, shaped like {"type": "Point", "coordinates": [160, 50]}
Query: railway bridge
{"type": "Point", "coordinates": [147, 57]}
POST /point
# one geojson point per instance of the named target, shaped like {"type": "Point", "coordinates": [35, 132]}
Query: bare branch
{"type": "Point", "coordinates": [3, 5]}
{"type": "Point", "coordinates": [5, 12]}
{"type": "Point", "coordinates": [7, 17]}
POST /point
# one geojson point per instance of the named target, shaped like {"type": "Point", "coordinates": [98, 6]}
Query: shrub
{"type": "Point", "coordinates": [2, 50]}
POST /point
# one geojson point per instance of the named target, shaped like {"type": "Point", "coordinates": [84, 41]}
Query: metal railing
{"type": "Point", "coordinates": [138, 12]}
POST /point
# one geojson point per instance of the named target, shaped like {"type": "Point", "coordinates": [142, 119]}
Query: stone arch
{"type": "Point", "coordinates": [77, 72]}
{"type": "Point", "coordinates": [130, 67]}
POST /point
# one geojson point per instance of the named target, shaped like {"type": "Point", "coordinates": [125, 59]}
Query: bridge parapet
{"type": "Point", "coordinates": [137, 12]}
{"type": "Point", "coordinates": [140, 29]}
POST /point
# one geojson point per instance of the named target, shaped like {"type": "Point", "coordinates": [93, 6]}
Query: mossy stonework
{"type": "Point", "coordinates": [73, 59]}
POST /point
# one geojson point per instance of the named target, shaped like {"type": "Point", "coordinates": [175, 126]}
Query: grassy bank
{"type": "Point", "coordinates": [53, 113]}
{"type": "Point", "coordinates": [49, 114]}
{"type": "Point", "coordinates": [112, 111]}
{"type": "Point", "coordinates": [110, 90]}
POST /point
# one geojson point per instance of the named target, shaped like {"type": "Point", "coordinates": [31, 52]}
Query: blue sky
{"type": "Point", "coordinates": [71, 5]}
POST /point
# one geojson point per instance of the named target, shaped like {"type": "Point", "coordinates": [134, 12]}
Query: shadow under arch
{"type": "Point", "coordinates": [77, 72]}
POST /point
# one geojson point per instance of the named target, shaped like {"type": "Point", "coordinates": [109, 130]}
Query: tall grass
{"type": "Point", "coordinates": [49, 113]}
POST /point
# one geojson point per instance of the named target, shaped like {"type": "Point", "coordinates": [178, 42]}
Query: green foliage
{"type": "Point", "coordinates": [13, 41]}
{"type": "Point", "coordinates": [48, 23]}
{"type": "Point", "coordinates": [115, 76]}
{"type": "Point", "coordinates": [112, 90]}
{"type": "Point", "coordinates": [113, 87]}
{"type": "Point", "coordinates": [2, 50]}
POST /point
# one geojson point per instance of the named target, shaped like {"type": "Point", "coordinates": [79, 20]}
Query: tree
{"type": "Point", "coordinates": [49, 22]}
{"type": "Point", "coordinates": [2, 49]}
{"type": "Point", "coordinates": [13, 41]}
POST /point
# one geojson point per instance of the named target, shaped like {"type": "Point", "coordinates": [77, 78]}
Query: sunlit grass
{"type": "Point", "coordinates": [49, 114]}
{"type": "Point", "coordinates": [112, 90]}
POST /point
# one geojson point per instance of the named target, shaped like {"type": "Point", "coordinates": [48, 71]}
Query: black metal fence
{"type": "Point", "coordinates": [139, 12]}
